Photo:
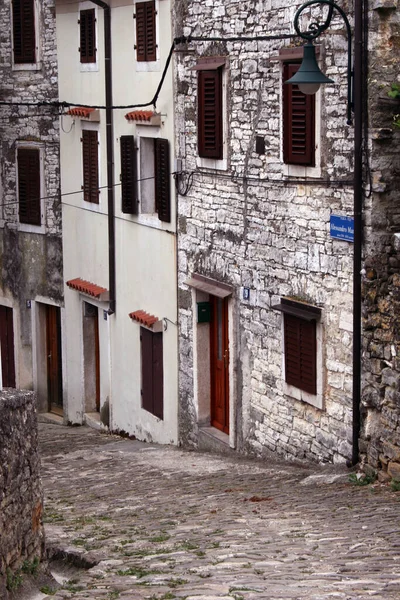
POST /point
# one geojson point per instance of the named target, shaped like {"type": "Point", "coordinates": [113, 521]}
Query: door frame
{"type": "Point", "coordinates": [201, 366]}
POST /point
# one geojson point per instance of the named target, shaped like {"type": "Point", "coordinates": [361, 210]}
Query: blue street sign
{"type": "Point", "coordinates": [342, 228]}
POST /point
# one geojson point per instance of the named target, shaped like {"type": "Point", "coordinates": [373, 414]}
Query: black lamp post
{"type": "Point", "coordinates": [309, 78]}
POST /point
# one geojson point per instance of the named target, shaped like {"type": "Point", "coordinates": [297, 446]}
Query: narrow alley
{"type": "Point", "coordinates": [156, 522]}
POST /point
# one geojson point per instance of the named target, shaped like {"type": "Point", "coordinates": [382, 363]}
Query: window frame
{"type": "Point", "coordinates": [39, 148]}
{"type": "Point", "coordinates": [152, 65]}
{"type": "Point", "coordinates": [86, 67]}
{"type": "Point", "coordinates": [152, 377]}
{"type": "Point", "coordinates": [31, 65]}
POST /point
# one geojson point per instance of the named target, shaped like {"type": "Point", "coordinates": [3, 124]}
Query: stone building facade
{"type": "Point", "coordinates": [21, 497]}
{"type": "Point", "coordinates": [257, 231]}
{"type": "Point", "coordinates": [380, 434]}
{"type": "Point", "coordinates": [31, 291]}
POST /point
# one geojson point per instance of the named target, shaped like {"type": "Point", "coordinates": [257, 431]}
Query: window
{"type": "Point", "coordinates": [128, 175]}
{"type": "Point", "coordinates": [146, 46]}
{"type": "Point", "coordinates": [152, 372]}
{"type": "Point", "coordinates": [300, 353]}
{"type": "Point", "coordinates": [210, 138]}
{"type": "Point", "coordinates": [298, 122]}
{"type": "Point", "coordinates": [90, 166]}
{"type": "Point", "coordinates": [87, 24]}
{"type": "Point", "coordinates": [154, 166]}
{"type": "Point", "coordinates": [28, 160]}
{"type": "Point", "coordinates": [24, 31]}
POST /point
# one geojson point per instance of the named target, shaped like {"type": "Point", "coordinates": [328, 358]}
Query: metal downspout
{"type": "Point", "coordinates": [359, 90]}
{"type": "Point", "coordinates": [109, 151]}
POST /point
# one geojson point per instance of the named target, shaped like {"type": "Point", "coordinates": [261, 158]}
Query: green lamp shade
{"type": "Point", "coordinates": [309, 76]}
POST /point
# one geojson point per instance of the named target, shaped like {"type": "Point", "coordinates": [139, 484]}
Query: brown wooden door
{"type": "Point", "coordinates": [54, 362]}
{"type": "Point", "coordinates": [219, 363]}
{"type": "Point", "coordinates": [7, 346]}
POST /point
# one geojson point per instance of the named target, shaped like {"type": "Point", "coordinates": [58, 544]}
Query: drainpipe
{"type": "Point", "coordinates": [109, 151]}
{"type": "Point", "coordinates": [359, 90]}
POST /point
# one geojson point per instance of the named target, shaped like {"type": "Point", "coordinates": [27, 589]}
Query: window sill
{"type": "Point", "coordinates": [26, 228]}
{"type": "Point", "coordinates": [89, 67]}
{"type": "Point", "coordinates": [294, 392]}
{"type": "Point", "coordinates": [301, 172]}
{"type": "Point", "coordinates": [37, 66]}
{"type": "Point", "coordinates": [212, 163]}
{"type": "Point", "coordinates": [148, 67]}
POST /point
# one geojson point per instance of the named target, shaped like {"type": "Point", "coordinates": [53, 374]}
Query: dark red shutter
{"type": "Point", "coordinates": [87, 24]}
{"type": "Point", "coordinates": [90, 153]}
{"type": "Point", "coordinates": [128, 175]}
{"type": "Point", "coordinates": [210, 113]}
{"type": "Point", "coordinates": [158, 376]}
{"type": "Point", "coordinates": [152, 372]}
{"type": "Point", "coordinates": [162, 180]}
{"type": "Point", "coordinates": [298, 122]}
{"type": "Point", "coordinates": [146, 49]}
{"type": "Point", "coordinates": [300, 353]}
{"type": "Point", "coordinates": [7, 346]}
{"type": "Point", "coordinates": [29, 185]}
{"type": "Point", "coordinates": [24, 31]}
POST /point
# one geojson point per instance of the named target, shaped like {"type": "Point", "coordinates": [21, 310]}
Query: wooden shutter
{"type": "Point", "coordinates": [210, 113]}
{"type": "Point", "coordinates": [87, 23]}
{"type": "Point", "coordinates": [152, 372]}
{"type": "Point", "coordinates": [146, 48]}
{"type": "Point", "coordinates": [128, 175]}
{"type": "Point", "coordinates": [300, 353]}
{"type": "Point", "coordinates": [24, 31]}
{"type": "Point", "coordinates": [162, 180]}
{"type": "Point", "coordinates": [90, 166]}
{"type": "Point", "coordinates": [29, 185]}
{"type": "Point", "coordinates": [298, 122]}
{"type": "Point", "coordinates": [7, 346]}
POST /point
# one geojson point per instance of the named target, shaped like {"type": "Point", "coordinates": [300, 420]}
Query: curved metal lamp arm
{"type": "Point", "coordinates": [315, 29]}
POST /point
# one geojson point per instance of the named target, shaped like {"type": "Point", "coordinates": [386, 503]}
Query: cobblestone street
{"type": "Point", "coordinates": [161, 523]}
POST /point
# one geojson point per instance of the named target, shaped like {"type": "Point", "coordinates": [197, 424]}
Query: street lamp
{"type": "Point", "coordinates": [310, 74]}
{"type": "Point", "coordinates": [309, 77]}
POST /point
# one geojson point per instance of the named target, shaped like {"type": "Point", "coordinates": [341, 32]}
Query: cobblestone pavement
{"type": "Point", "coordinates": [161, 523]}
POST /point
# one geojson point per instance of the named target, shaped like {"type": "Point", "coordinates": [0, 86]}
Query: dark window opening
{"type": "Point", "coordinates": [298, 122]}
{"type": "Point", "coordinates": [146, 47]}
{"type": "Point", "coordinates": [210, 138]}
{"type": "Point", "coordinates": [152, 372]}
{"type": "Point", "coordinates": [29, 185]}
{"type": "Point", "coordinates": [87, 23]}
{"type": "Point", "coordinates": [90, 153]}
{"type": "Point", "coordinates": [24, 31]}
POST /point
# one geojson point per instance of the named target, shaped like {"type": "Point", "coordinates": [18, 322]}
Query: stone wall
{"type": "Point", "coordinates": [21, 500]}
{"type": "Point", "coordinates": [256, 224]}
{"type": "Point", "coordinates": [30, 257]}
{"type": "Point", "coordinates": [380, 433]}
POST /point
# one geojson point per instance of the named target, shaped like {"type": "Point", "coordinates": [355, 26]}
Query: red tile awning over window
{"type": "Point", "coordinates": [143, 318]}
{"type": "Point", "coordinates": [140, 115]}
{"type": "Point", "coordinates": [89, 288]}
{"type": "Point", "coordinates": [79, 111]}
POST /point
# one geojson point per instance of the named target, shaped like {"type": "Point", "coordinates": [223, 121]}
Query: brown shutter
{"type": "Point", "coordinates": [146, 49]}
{"type": "Point", "coordinates": [128, 175]}
{"type": "Point", "coordinates": [162, 180]}
{"type": "Point", "coordinates": [146, 342]}
{"type": "Point", "coordinates": [87, 24]}
{"type": "Point", "coordinates": [7, 346]}
{"type": "Point", "coordinates": [24, 31]}
{"type": "Point", "coordinates": [210, 113]}
{"type": "Point", "coordinates": [90, 166]}
{"type": "Point", "coordinates": [158, 376]}
{"type": "Point", "coordinates": [298, 122]}
{"type": "Point", "coordinates": [300, 353]}
{"type": "Point", "coordinates": [152, 372]}
{"type": "Point", "coordinates": [29, 186]}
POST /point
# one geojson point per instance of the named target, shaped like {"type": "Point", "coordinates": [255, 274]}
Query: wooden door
{"type": "Point", "coordinates": [54, 362]}
{"type": "Point", "coordinates": [97, 357]}
{"type": "Point", "coordinates": [219, 363]}
{"type": "Point", "coordinates": [7, 346]}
